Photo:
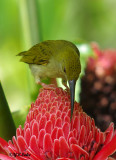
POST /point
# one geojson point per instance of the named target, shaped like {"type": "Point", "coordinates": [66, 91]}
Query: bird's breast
{"type": "Point", "coordinates": [52, 70]}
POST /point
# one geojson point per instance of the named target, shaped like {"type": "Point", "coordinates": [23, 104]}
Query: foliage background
{"type": "Point", "coordinates": [26, 22]}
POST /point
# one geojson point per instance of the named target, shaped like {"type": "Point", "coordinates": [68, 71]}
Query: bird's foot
{"type": "Point", "coordinates": [64, 82]}
{"type": "Point", "coordinates": [47, 86]}
{"type": "Point", "coordinates": [67, 89]}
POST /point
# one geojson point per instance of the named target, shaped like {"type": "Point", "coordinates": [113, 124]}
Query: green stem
{"type": "Point", "coordinates": [7, 126]}
{"type": "Point", "coordinates": [34, 16]}
{"type": "Point", "coordinates": [32, 34]}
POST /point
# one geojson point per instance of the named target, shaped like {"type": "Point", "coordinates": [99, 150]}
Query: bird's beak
{"type": "Point", "coordinates": [72, 94]}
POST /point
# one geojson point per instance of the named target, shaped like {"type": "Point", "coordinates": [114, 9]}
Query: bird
{"type": "Point", "coordinates": [54, 59]}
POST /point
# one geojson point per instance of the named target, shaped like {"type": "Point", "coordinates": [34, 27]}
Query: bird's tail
{"type": "Point", "coordinates": [21, 53]}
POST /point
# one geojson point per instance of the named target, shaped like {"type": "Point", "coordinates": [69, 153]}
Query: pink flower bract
{"type": "Point", "coordinates": [49, 134]}
{"type": "Point", "coordinates": [105, 62]}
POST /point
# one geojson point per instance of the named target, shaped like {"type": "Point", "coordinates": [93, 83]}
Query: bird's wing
{"type": "Point", "coordinates": [38, 54]}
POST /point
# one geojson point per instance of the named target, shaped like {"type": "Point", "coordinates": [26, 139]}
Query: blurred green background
{"type": "Point", "coordinates": [24, 23]}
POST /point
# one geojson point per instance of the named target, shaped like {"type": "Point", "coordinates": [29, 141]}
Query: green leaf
{"type": "Point", "coordinates": [7, 126]}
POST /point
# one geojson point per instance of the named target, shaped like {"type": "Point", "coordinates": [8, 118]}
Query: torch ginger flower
{"type": "Point", "coordinates": [105, 62]}
{"type": "Point", "coordinates": [98, 87]}
{"type": "Point", "coordinates": [49, 134]}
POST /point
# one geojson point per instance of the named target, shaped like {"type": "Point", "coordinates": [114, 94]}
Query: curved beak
{"type": "Point", "coordinates": [72, 94]}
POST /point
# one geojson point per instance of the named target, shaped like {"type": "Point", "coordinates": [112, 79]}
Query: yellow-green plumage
{"type": "Point", "coordinates": [54, 58]}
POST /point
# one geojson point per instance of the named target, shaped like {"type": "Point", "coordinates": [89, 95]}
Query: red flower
{"type": "Point", "coordinates": [105, 61]}
{"type": "Point", "coordinates": [48, 133]}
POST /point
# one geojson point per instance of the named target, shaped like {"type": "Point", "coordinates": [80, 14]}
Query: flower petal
{"type": "Point", "coordinates": [48, 127]}
{"type": "Point", "coordinates": [42, 123]}
{"type": "Point", "coordinates": [27, 135]}
{"type": "Point", "coordinates": [41, 137]}
{"type": "Point", "coordinates": [63, 147]}
{"type": "Point", "coordinates": [47, 143]}
{"type": "Point", "coordinates": [54, 133]}
{"type": "Point", "coordinates": [56, 148]}
{"type": "Point", "coordinates": [33, 145]}
{"type": "Point", "coordinates": [35, 129]}
{"type": "Point", "coordinates": [66, 129]}
{"type": "Point", "coordinates": [109, 134]}
{"type": "Point", "coordinates": [65, 159]}
{"type": "Point", "coordinates": [76, 123]}
{"type": "Point", "coordinates": [4, 157]}
{"type": "Point", "coordinates": [107, 150]}
{"type": "Point", "coordinates": [22, 143]}
{"type": "Point", "coordinates": [3, 145]}
{"type": "Point", "coordinates": [82, 135]}
{"type": "Point", "coordinates": [59, 133]}
{"type": "Point", "coordinates": [77, 150]}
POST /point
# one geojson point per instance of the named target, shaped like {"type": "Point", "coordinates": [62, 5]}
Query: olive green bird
{"type": "Point", "coordinates": [54, 59]}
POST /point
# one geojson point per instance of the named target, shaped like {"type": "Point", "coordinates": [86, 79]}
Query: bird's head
{"type": "Point", "coordinates": [71, 67]}
{"type": "Point", "coordinates": [70, 62]}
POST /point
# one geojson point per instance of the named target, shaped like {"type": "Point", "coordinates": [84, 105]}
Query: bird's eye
{"type": "Point", "coordinates": [65, 70]}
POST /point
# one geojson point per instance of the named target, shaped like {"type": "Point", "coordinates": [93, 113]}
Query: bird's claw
{"type": "Point", "coordinates": [47, 86]}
